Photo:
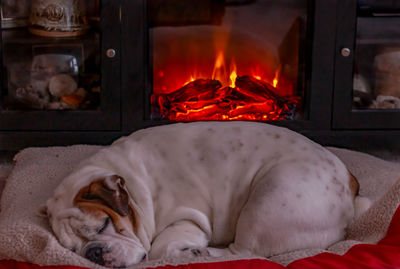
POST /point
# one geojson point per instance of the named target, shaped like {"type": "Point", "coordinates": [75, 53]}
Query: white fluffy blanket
{"type": "Point", "coordinates": [25, 236]}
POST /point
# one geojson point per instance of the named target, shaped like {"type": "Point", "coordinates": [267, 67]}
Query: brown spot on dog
{"type": "Point", "coordinates": [354, 185]}
{"type": "Point", "coordinates": [330, 162]}
{"type": "Point", "coordinates": [163, 153]}
{"type": "Point", "coordinates": [224, 156]}
{"type": "Point", "coordinates": [99, 199]}
{"type": "Point", "coordinates": [277, 136]}
{"type": "Point", "coordinates": [298, 195]}
{"type": "Point", "coordinates": [256, 147]}
{"type": "Point", "coordinates": [339, 194]}
{"type": "Point", "coordinates": [336, 181]}
{"type": "Point", "coordinates": [306, 169]}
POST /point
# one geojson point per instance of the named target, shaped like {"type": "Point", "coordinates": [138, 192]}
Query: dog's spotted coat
{"type": "Point", "coordinates": [205, 188]}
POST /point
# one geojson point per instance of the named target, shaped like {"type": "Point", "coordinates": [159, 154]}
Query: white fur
{"type": "Point", "coordinates": [361, 204]}
{"type": "Point", "coordinates": [246, 187]}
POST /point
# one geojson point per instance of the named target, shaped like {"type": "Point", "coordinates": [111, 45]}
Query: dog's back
{"type": "Point", "coordinates": [219, 170]}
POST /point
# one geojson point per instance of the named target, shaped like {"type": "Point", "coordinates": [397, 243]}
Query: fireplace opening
{"type": "Point", "coordinates": [227, 59]}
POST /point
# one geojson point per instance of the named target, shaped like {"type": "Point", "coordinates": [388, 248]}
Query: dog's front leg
{"type": "Point", "coordinates": [181, 239]}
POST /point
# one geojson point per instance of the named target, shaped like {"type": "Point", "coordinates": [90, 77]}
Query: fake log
{"type": "Point", "coordinates": [205, 99]}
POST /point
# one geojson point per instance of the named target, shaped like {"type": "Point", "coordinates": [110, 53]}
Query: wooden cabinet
{"type": "Point", "coordinates": [105, 75]}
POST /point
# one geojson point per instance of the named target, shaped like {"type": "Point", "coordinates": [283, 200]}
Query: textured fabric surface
{"type": "Point", "coordinates": [384, 254]}
{"type": "Point", "coordinates": [25, 236]}
{"type": "Point", "coordinates": [5, 170]}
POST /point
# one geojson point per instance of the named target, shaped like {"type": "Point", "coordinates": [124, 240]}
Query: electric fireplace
{"type": "Point", "coordinates": [227, 59]}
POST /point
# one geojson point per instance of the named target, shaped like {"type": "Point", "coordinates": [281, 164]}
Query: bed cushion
{"type": "Point", "coordinates": [25, 236]}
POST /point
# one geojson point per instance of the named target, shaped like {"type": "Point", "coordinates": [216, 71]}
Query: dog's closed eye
{"type": "Point", "coordinates": [105, 225]}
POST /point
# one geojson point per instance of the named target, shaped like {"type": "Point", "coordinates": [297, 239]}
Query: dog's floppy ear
{"type": "Point", "coordinates": [109, 191]}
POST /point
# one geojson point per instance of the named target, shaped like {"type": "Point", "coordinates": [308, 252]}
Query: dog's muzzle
{"type": "Point", "coordinates": [102, 254]}
{"type": "Point", "coordinates": [95, 254]}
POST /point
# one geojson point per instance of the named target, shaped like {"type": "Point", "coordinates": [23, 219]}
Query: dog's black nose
{"type": "Point", "coordinates": [95, 254]}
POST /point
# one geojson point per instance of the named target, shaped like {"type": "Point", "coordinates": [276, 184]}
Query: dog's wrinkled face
{"type": "Point", "coordinates": [100, 223]}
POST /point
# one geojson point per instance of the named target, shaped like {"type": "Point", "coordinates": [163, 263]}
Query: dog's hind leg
{"type": "Point", "coordinates": [290, 208]}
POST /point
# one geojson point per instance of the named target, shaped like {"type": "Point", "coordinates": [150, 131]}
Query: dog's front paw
{"type": "Point", "coordinates": [195, 252]}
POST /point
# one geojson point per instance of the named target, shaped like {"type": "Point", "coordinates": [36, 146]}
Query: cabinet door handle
{"type": "Point", "coordinates": [111, 53]}
{"type": "Point", "coordinates": [345, 52]}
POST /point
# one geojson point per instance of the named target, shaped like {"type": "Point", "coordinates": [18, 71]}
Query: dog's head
{"type": "Point", "coordinates": [98, 221]}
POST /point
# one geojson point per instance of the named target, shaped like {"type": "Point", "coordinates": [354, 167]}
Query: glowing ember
{"type": "Point", "coordinates": [206, 99]}
{"type": "Point", "coordinates": [225, 97]}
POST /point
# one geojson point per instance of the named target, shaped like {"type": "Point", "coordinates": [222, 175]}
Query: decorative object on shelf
{"type": "Point", "coordinates": [52, 76]}
{"type": "Point", "coordinates": [387, 72]}
{"type": "Point", "coordinates": [14, 13]}
{"type": "Point", "coordinates": [362, 95]}
{"type": "Point", "coordinates": [385, 102]}
{"type": "Point", "coordinates": [61, 85]}
{"type": "Point", "coordinates": [58, 18]}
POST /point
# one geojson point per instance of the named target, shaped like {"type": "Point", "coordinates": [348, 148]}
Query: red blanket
{"type": "Point", "coordinates": [384, 254]}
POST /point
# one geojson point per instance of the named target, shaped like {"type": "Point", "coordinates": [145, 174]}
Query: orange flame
{"type": "Point", "coordinates": [228, 95]}
{"type": "Point", "coordinates": [219, 66]}
{"type": "Point", "coordinates": [276, 78]}
{"type": "Point", "coordinates": [233, 75]}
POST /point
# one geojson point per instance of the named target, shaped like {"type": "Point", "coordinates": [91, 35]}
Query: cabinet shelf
{"type": "Point", "coordinates": [23, 36]}
{"type": "Point", "coordinates": [378, 28]}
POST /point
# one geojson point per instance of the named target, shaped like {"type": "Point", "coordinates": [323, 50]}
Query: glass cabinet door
{"type": "Point", "coordinates": [376, 81]}
{"type": "Point", "coordinates": [60, 66]}
{"type": "Point", "coordinates": [367, 93]}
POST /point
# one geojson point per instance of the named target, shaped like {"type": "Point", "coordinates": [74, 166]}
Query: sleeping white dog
{"type": "Point", "coordinates": [204, 188]}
